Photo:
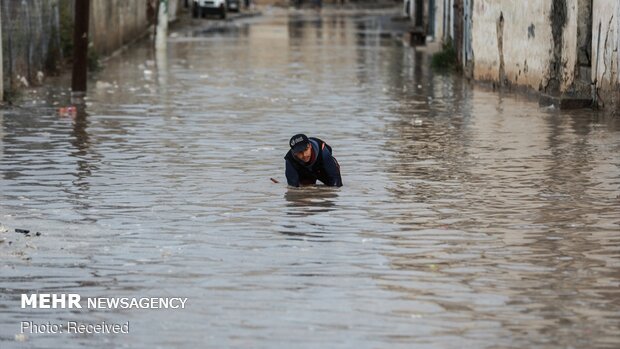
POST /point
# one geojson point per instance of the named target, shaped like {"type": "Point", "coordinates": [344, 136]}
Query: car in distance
{"type": "Point", "coordinates": [234, 5]}
{"type": "Point", "coordinates": [201, 8]}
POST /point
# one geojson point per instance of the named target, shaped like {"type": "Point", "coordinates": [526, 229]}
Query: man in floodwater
{"type": "Point", "coordinates": [310, 159]}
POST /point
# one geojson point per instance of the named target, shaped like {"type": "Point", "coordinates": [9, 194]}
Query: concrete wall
{"type": "Point", "coordinates": [605, 43]}
{"type": "Point", "coordinates": [33, 39]}
{"type": "Point", "coordinates": [115, 23]}
{"type": "Point", "coordinates": [557, 47]}
{"type": "Point", "coordinates": [512, 42]}
{"type": "Point", "coordinates": [444, 20]}
{"type": "Point", "coordinates": [30, 40]}
{"type": "Point", "coordinates": [438, 22]}
{"type": "Point", "coordinates": [567, 57]}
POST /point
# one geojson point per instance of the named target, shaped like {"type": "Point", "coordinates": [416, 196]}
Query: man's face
{"type": "Point", "coordinates": [305, 154]}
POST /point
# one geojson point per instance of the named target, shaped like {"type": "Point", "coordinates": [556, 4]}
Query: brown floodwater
{"type": "Point", "coordinates": [468, 219]}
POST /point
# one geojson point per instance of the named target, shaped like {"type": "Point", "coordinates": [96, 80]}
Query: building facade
{"type": "Point", "coordinates": [566, 50]}
{"type": "Point", "coordinates": [38, 34]}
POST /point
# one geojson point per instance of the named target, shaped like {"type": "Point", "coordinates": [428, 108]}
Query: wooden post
{"type": "Point", "coordinates": [80, 46]}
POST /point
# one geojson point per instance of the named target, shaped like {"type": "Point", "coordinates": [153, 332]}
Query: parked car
{"type": "Point", "coordinates": [234, 5]}
{"type": "Point", "coordinates": [201, 8]}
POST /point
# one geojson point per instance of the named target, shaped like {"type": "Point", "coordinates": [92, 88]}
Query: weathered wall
{"type": "Point", "coordinates": [565, 34]}
{"type": "Point", "coordinates": [444, 19]}
{"type": "Point", "coordinates": [174, 8]}
{"type": "Point", "coordinates": [556, 47]}
{"type": "Point", "coordinates": [439, 22]}
{"type": "Point", "coordinates": [605, 43]}
{"type": "Point", "coordinates": [36, 32]}
{"type": "Point", "coordinates": [30, 40]}
{"type": "Point", "coordinates": [115, 23]}
{"type": "Point", "coordinates": [534, 44]}
{"type": "Point", "coordinates": [512, 41]}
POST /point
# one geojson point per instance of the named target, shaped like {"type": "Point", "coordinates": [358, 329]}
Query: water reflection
{"type": "Point", "coordinates": [488, 173]}
{"type": "Point", "coordinates": [310, 200]}
{"type": "Point", "coordinates": [301, 204]}
{"type": "Point", "coordinates": [86, 161]}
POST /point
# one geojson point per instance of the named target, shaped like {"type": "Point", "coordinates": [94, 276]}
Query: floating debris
{"type": "Point", "coordinates": [40, 77]}
{"type": "Point", "coordinates": [26, 232]}
{"type": "Point", "coordinates": [102, 85]}
{"type": "Point", "coordinates": [70, 111]}
{"type": "Point", "coordinates": [23, 80]}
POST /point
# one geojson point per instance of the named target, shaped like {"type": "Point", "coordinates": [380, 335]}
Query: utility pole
{"type": "Point", "coordinates": [80, 47]}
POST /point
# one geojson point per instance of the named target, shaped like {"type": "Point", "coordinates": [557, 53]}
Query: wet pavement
{"type": "Point", "coordinates": [468, 219]}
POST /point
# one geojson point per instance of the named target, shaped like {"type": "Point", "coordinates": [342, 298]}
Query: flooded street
{"type": "Point", "coordinates": [468, 218]}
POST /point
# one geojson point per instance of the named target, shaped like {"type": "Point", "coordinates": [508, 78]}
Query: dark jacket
{"type": "Point", "coordinates": [325, 168]}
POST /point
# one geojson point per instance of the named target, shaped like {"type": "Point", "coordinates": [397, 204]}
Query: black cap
{"type": "Point", "coordinates": [298, 143]}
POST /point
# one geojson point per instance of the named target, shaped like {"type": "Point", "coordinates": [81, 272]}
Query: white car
{"type": "Point", "coordinates": [200, 8]}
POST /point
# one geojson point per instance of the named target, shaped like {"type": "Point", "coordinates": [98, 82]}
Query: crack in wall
{"type": "Point", "coordinates": [605, 52]}
{"type": "Point", "coordinates": [500, 48]}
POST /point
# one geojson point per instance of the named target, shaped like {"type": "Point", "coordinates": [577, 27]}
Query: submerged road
{"type": "Point", "coordinates": [468, 219]}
